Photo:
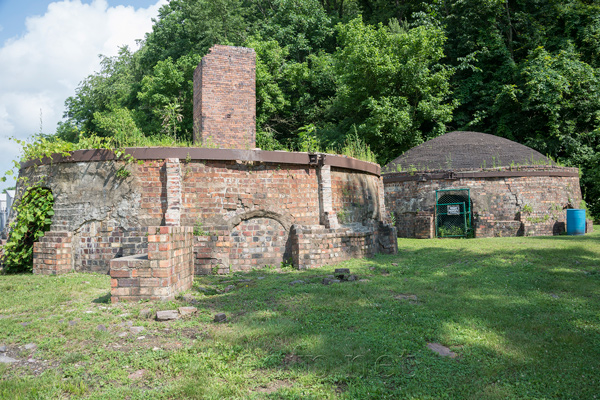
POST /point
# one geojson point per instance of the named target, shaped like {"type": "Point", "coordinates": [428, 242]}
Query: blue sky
{"type": "Point", "coordinates": [14, 12]}
{"type": "Point", "coordinates": [47, 48]}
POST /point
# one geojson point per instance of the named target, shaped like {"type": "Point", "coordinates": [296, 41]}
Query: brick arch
{"type": "Point", "coordinates": [258, 238]}
{"type": "Point", "coordinates": [286, 220]}
{"type": "Point", "coordinates": [258, 241]}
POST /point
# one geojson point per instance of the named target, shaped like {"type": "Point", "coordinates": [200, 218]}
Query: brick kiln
{"type": "Point", "coordinates": [200, 210]}
{"type": "Point", "coordinates": [491, 185]}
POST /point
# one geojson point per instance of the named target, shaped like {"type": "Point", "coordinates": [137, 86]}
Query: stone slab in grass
{"type": "Point", "coordinates": [185, 311]}
{"type": "Point", "coordinates": [411, 298]}
{"type": "Point", "coordinates": [441, 350]}
{"type": "Point", "coordinates": [406, 297]}
{"type": "Point", "coordinates": [6, 360]}
{"type": "Point", "coordinates": [167, 315]}
{"type": "Point", "coordinates": [342, 273]}
{"type": "Point", "coordinates": [136, 329]}
{"type": "Point", "coordinates": [221, 317]}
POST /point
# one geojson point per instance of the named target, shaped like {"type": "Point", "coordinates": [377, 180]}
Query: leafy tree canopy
{"type": "Point", "coordinates": [392, 73]}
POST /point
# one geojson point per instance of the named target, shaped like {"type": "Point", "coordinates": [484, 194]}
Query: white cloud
{"type": "Point", "coordinates": [40, 69]}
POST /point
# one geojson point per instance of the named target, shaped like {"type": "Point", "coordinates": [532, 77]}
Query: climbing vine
{"type": "Point", "coordinates": [40, 147]}
{"type": "Point", "coordinates": [34, 213]}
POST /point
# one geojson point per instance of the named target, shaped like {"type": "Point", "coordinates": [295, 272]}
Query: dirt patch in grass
{"type": "Point", "coordinates": [28, 361]}
{"type": "Point", "coordinates": [341, 387]}
{"type": "Point", "coordinates": [411, 298]}
{"type": "Point", "coordinates": [274, 386]}
{"type": "Point", "coordinates": [291, 359]}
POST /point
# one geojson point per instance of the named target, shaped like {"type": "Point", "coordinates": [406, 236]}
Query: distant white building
{"type": "Point", "coordinates": [6, 202]}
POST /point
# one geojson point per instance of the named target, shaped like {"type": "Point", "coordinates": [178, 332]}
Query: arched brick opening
{"type": "Point", "coordinates": [258, 241]}
{"type": "Point", "coordinates": [283, 219]}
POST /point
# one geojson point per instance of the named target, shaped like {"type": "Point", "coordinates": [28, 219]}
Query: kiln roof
{"type": "Point", "coordinates": [466, 150]}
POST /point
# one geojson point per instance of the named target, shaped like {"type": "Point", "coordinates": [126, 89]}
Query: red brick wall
{"type": "Point", "coordinates": [497, 203]}
{"type": "Point", "coordinates": [52, 254]}
{"type": "Point", "coordinates": [418, 225]}
{"type": "Point", "coordinates": [313, 247]}
{"type": "Point", "coordinates": [95, 244]}
{"type": "Point", "coordinates": [354, 196]}
{"type": "Point", "coordinates": [317, 246]}
{"type": "Point", "coordinates": [215, 192]}
{"type": "Point", "coordinates": [173, 192]}
{"type": "Point", "coordinates": [227, 197]}
{"type": "Point", "coordinates": [250, 243]}
{"type": "Point", "coordinates": [225, 98]}
{"type": "Point", "coordinates": [153, 187]}
{"type": "Point", "coordinates": [257, 242]}
{"type": "Point", "coordinates": [166, 270]}
{"type": "Point", "coordinates": [205, 260]}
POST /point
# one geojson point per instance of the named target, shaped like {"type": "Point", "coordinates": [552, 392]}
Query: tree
{"type": "Point", "coordinates": [192, 27]}
{"type": "Point", "coordinates": [393, 90]}
{"type": "Point", "coordinates": [114, 86]}
{"type": "Point", "coordinates": [301, 26]}
{"type": "Point", "coordinates": [383, 11]}
{"type": "Point", "coordinates": [169, 86]}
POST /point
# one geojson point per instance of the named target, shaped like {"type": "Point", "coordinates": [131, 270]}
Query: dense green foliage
{"type": "Point", "coordinates": [393, 73]}
{"type": "Point", "coordinates": [34, 212]}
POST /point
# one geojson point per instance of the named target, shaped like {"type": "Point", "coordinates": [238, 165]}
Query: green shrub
{"type": "Point", "coordinates": [451, 231]}
{"type": "Point", "coordinates": [199, 229]}
{"type": "Point", "coordinates": [122, 173]}
{"type": "Point", "coordinates": [357, 148]}
{"type": "Point", "coordinates": [34, 213]}
{"type": "Point", "coordinates": [527, 209]}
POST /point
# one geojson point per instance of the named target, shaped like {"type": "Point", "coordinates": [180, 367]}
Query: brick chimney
{"type": "Point", "coordinates": [225, 98]}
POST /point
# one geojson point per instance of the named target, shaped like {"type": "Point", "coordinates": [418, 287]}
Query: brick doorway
{"type": "Point", "coordinates": [257, 242]}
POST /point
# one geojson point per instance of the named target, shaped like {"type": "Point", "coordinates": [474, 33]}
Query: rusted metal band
{"type": "Point", "coordinates": [352, 163]}
{"type": "Point", "coordinates": [424, 177]}
{"type": "Point", "coordinates": [197, 153]}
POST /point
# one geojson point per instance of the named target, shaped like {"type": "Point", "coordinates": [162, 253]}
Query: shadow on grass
{"type": "Point", "coordinates": [102, 299]}
{"type": "Point", "coordinates": [521, 317]}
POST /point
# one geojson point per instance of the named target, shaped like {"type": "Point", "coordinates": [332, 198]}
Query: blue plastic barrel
{"type": "Point", "coordinates": [575, 221]}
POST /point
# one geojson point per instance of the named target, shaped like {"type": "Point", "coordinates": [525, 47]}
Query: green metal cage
{"type": "Point", "coordinates": [453, 213]}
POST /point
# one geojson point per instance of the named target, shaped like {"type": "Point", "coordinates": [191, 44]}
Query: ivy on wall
{"type": "Point", "coordinates": [34, 213]}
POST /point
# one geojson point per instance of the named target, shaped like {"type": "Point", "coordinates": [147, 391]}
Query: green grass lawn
{"type": "Point", "coordinates": [522, 316]}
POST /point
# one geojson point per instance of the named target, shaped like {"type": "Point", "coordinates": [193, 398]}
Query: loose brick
{"type": "Point", "coordinates": [115, 273]}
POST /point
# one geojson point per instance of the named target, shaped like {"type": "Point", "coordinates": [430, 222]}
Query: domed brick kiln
{"type": "Point", "coordinates": [471, 183]}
